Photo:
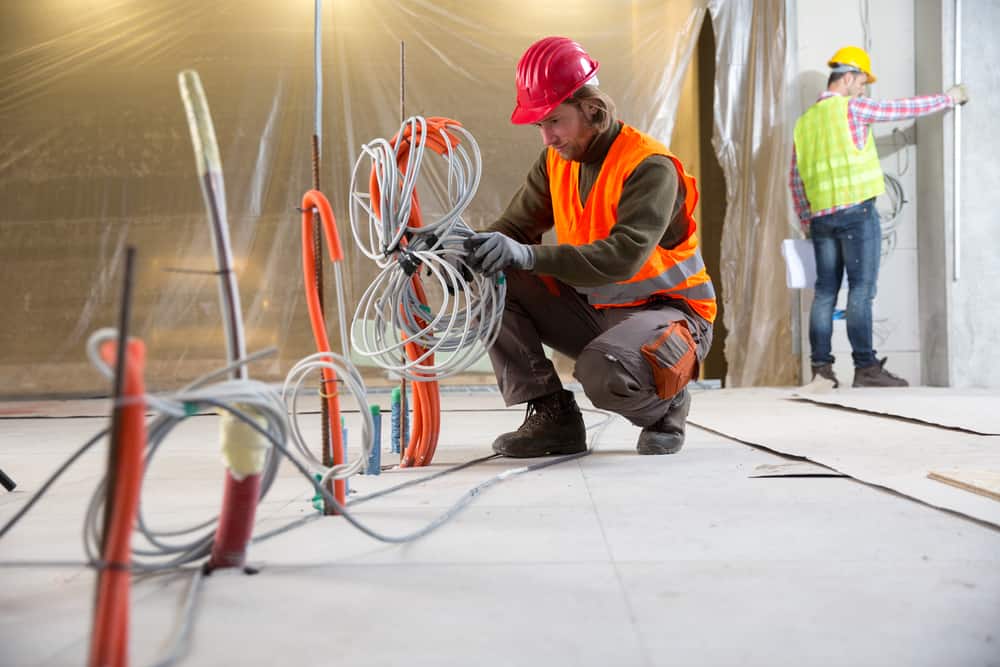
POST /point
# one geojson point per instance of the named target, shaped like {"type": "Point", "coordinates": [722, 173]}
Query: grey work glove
{"type": "Point", "coordinates": [492, 252]}
{"type": "Point", "coordinates": [958, 93]}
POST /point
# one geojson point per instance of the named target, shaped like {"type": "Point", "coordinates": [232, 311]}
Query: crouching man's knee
{"type": "Point", "coordinates": [606, 381]}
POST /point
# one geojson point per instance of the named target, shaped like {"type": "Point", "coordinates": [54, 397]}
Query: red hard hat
{"type": "Point", "coordinates": [550, 70]}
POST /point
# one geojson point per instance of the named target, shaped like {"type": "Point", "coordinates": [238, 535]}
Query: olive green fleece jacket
{"type": "Point", "coordinates": [648, 214]}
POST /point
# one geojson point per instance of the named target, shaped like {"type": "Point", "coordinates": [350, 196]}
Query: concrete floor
{"type": "Point", "coordinates": [612, 559]}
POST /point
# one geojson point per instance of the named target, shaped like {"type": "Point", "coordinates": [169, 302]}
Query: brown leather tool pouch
{"type": "Point", "coordinates": [672, 357]}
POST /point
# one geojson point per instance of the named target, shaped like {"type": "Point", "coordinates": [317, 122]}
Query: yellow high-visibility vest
{"type": "Point", "coordinates": [834, 172]}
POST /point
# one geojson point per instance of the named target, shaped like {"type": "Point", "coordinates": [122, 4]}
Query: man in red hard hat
{"type": "Point", "coordinates": [624, 292]}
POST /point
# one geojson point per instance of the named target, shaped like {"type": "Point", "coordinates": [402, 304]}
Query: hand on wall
{"type": "Point", "coordinates": [958, 93]}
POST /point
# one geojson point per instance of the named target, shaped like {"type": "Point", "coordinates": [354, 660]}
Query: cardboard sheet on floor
{"type": "Point", "coordinates": [894, 454]}
{"type": "Point", "coordinates": [972, 410]}
{"type": "Point", "coordinates": [793, 469]}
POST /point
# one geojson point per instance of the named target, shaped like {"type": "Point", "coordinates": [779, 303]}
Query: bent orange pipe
{"type": "Point", "coordinates": [314, 199]}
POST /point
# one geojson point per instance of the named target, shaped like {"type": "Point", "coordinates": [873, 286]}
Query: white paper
{"type": "Point", "coordinates": [800, 263]}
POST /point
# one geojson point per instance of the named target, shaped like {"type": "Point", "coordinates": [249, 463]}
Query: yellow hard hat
{"type": "Point", "coordinates": [855, 57]}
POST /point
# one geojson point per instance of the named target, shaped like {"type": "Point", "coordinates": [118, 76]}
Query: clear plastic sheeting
{"type": "Point", "coordinates": [95, 155]}
{"type": "Point", "coordinates": [752, 140]}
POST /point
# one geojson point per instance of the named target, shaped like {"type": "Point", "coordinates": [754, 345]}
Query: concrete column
{"type": "Point", "coordinates": [959, 297]}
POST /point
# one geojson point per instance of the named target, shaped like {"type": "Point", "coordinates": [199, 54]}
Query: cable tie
{"type": "Point", "coordinates": [335, 394]}
{"type": "Point", "coordinates": [112, 565]}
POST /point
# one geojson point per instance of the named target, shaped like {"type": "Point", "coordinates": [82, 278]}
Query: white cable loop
{"type": "Point", "coordinates": [93, 348]}
{"type": "Point", "coordinates": [349, 375]}
{"type": "Point", "coordinates": [890, 217]}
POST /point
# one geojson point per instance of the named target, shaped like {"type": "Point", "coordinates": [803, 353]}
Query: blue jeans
{"type": "Point", "coordinates": [848, 240]}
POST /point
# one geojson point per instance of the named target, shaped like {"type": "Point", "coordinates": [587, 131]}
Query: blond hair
{"type": "Point", "coordinates": [597, 107]}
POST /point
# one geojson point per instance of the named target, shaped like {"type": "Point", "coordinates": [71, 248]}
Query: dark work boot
{"type": "Point", "coordinates": [826, 371]}
{"type": "Point", "coordinates": [876, 376]}
{"type": "Point", "coordinates": [553, 425]}
{"type": "Point", "coordinates": [667, 435]}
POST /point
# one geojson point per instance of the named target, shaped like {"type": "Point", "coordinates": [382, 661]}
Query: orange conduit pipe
{"type": "Point", "coordinates": [109, 641]}
{"type": "Point", "coordinates": [426, 395]}
{"type": "Point", "coordinates": [426, 403]}
{"type": "Point", "coordinates": [314, 199]}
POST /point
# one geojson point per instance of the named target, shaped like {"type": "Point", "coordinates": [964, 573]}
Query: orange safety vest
{"type": "Point", "coordinates": [677, 273]}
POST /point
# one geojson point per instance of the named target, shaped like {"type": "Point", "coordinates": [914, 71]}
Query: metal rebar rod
{"type": "Point", "coordinates": [114, 441]}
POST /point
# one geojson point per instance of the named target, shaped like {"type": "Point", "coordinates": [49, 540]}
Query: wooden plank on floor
{"type": "Point", "coordinates": [984, 482]}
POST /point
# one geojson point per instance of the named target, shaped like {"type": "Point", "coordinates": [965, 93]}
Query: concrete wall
{"type": "Point", "coordinates": [959, 302]}
{"type": "Point", "coordinates": [822, 28]}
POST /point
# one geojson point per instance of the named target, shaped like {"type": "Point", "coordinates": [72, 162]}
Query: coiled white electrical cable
{"type": "Point", "coordinates": [163, 550]}
{"type": "Point", "coordinates": [349, 375]}
{"type": "Point", "coordinates": [391, 313]}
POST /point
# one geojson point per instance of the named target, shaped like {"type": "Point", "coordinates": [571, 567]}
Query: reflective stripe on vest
{"type": "Point", "coordinates": [630, 292]}
{"type": "Point", "coordinates": [676, 273]}
{"type": "Point", "coordinates": [834, 172]}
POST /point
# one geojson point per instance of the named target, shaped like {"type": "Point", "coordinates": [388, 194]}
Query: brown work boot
{"type": "Point", "coordinates": [667, 435]}
{"type": "Point", "coordinates": [552, 425]}
{"type": "Point", "coordinates": [876, 376]}
{"type": "Point", "coordinates": [825, 371]}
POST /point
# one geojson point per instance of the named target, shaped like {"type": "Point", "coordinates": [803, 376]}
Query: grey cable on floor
{"type": "Point", "coordinates": [179, 646]}
{"type": "Point", "coordinates": [460, 504]}
{"type": "Point", "coordinates": [421, 480]}
{"type": "Point", "coordinates": [50, 481]}
{"type": "Point", "coordinates": [456, 468]}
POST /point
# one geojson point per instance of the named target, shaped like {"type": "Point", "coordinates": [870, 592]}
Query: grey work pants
{"type": "Point", "coordinates": [604, 342]}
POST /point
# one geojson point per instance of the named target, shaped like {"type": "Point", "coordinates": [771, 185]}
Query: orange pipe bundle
{"type": "Point", "coordinates": [314, 199]}
{"type": "Point", "coordinates": [426, 395]}
{"type": "Point", "coordinates": [109, 641]}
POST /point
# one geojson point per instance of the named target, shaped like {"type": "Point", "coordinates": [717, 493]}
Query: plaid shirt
{"type": "Point", "coordinates": [862, 112]}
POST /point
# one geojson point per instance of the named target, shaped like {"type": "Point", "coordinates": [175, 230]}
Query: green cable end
{"type": "Point", "coordinates": [317, 499]}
